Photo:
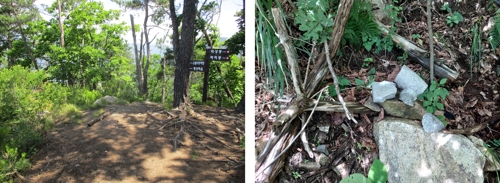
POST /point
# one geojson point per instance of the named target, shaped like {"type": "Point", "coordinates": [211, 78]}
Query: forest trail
{"type": "Point", "coordinates": [134, 143]}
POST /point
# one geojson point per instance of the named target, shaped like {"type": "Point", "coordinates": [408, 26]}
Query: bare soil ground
{"type": "Point", "coordinates": [130, 145]}
{"type": "Point", "coordinates": [473, 104]}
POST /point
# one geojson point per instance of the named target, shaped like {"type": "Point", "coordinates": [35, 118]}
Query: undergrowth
{"type": "Point", "coordinates": [30, 105]}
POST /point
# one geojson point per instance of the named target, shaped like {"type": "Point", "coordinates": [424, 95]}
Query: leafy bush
{"type": "Point", "coordinates": [11, 163]}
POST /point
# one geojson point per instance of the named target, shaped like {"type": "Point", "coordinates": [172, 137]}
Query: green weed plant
{"type": "Point", "coordinates": [377, 174]}
{"type": "Point", "coordinates": [454, 19]}
{"type": "Point", "coordinates": [432, 97]}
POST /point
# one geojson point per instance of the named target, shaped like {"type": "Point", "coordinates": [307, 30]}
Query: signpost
{"type": "Point", "coordinates": [197, 66]}
{"type": "Point", "coordinates": [203, 66]}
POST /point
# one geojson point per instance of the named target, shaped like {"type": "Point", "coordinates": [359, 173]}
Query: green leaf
{"type": "Point", "coordinates": [427, 103]}
{"type": "Point", "coordinates": [359, 82]}
{"type": "Point", "coordinates": [378, 172]}
{"type": "Point", "coordinates": [372, 71]}
{"type": "Point", "coordinates": [443, 81]}
{"type": "Point", "coordinates": [431, 109]}
{"type": "Point", "coordinates": [421, 96]}
{"type": "Point", "coordinates": [343, 81]}
{"type": "Point", "coordinates": [355, 178]}
{"type": "Point", "coordinates": [433, 86]}
{"type": "Point", "coordinates": [440, 106]}
{"type": "Point", "coordinates": [331, 90]}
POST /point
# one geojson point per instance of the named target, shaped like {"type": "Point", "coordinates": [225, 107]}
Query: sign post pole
{"type": "Point", "coordinates": [205, 77]}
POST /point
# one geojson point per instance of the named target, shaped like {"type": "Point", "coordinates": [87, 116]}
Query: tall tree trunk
{"type": "Point", "coordinates": [241, 105]}
{"type": "Point", "coordinates": [60, 23]}
{"type": "Point", "coordinates": [145, 71]}
{"type": "Point", "coordinates": [182, 50]}
{"type": "Point", "coordinates": [163, 79]}
{"type": "Point", "coordinates": [138, 67]}
{"type": "Point", "coordinates": [24, 39]}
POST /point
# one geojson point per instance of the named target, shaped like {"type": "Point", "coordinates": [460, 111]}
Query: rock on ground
{"type": "Point", "coordinates": [108, 99]}
{"type": "Point", "coordinates": [411, 155]}
{"type": "Point", "coordinates": [382, 91]}
{"type": "Point", "coordinates": [407, 79]}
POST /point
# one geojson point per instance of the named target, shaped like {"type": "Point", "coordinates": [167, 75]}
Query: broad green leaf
{"type": "Point", "coordinates": [372, 71]}
{"type": "Point", "coordinates": [332, 91]}
{"type": "Point", "coordinates": [359, 82]}
{"type": "Point", "coordinates": [433, 86]}
{"type": "Point", "coordinates": [440, 106]}
{"type": "Point", "coordinates": [443, 81]}
{"type": "Point", "coordinates": [378, 172]}
{"type": "Point", "coordinates": [355, 178]}
{"type": "Point", "coordinates": [427, 103]}
{"type": "Point", "coordinates": [343, 81]}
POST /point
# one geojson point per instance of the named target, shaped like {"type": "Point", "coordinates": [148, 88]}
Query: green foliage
{"type": "Point", "coordinates": [432, 97]}
{"type": "Point", "coordinates": [492, 147]}
{"type": "Point", "coordinates": [403, 57]}
{"type": "Point", "coordinates": [367, 62]}
{"type": "Point", "coordinates": [83, 96]}
{"type": "Point", "coordinates": [454, 19]}
{"type": "Point", "coordinates": [11, 162]}
{"type": "Point", "coordinates": [356, 178]}
{"type": "Point", "coordinates": [476, 51]}
{"type": "Point", "coordinates": [270, 59]}
{"type": "Point", "coordinates": [446, 7]}
{"type": "Point", "coordinates": [314, 18]}
{"type": "Point", "coordinates": [494, 33]}
{"type": "Point", "coordinates": [361, 30]}
{"type": "Point", "coordinates": [242, 143]}
{"type": "Point", "coordinates": [296, 175]}
{"type": "Point", "coordinates": [232, 74]}
{"type": "Point", "coordinates": [377, 174]}
{"type": "Point", "coordinates": [495, 144]}
{"type": "Point", "coordinates": [343, 82]}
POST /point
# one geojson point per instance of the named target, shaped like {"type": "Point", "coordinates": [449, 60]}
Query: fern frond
{"type": "Point", "coordinates": [495, 33]}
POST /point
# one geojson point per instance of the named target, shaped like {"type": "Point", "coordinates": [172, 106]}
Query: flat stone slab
{"type": "Point", "coordinates": [411, 155]}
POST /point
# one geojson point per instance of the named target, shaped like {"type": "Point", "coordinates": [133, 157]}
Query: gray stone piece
{"type": "Point", "coordinates": [407, 79]}
{"type": "Point", "coordinates": [411, 155]}
{"type": "Point", "coordinates": [431, 123]}
{"type": "Point", "coordinates": [322, 149]}
{"type": "Point", "coordinates": [107, 99]}
{"type": "Point", "coordinates": [408, 97]}
{"type": "Point", "coordinates": [382, 91]}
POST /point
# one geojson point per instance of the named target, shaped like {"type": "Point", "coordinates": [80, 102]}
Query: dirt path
{"type": "Point", "coordinates": [129, 145]}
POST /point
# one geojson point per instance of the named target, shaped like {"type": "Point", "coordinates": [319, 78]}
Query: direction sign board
{"type": "Point", "coordinates": [197, 65]}
{"type": "Point", "coordinates": [218, 54]}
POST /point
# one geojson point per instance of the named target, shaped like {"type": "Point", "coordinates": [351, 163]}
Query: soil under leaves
{"type": "Point", "coordinates": [134, 143]}
{"type": "Point", "coordinates": [473, 106]}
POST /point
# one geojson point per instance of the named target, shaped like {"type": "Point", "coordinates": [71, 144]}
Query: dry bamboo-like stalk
{"type": "Point", "coordinates": [291, 54]}
{"type": "Point", "coordinates": [281, 133]}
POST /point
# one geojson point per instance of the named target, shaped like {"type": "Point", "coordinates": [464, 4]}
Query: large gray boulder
{"type": "Point", "coordinates": [106, 100]}
{"type": "Point", "coordinates": [411, 155]}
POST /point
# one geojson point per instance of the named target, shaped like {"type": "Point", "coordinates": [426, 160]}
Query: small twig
{"type": "Point", "coordinates": [293, 140]}
{"type": "Point", "coordinates": [336, 82]}
{"type": "Point", "coordinates": [167, 125]}
{"type": "Point", "coordinates": [308, 63]}
{"type": "Point", "coordinates": [303, 138]}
